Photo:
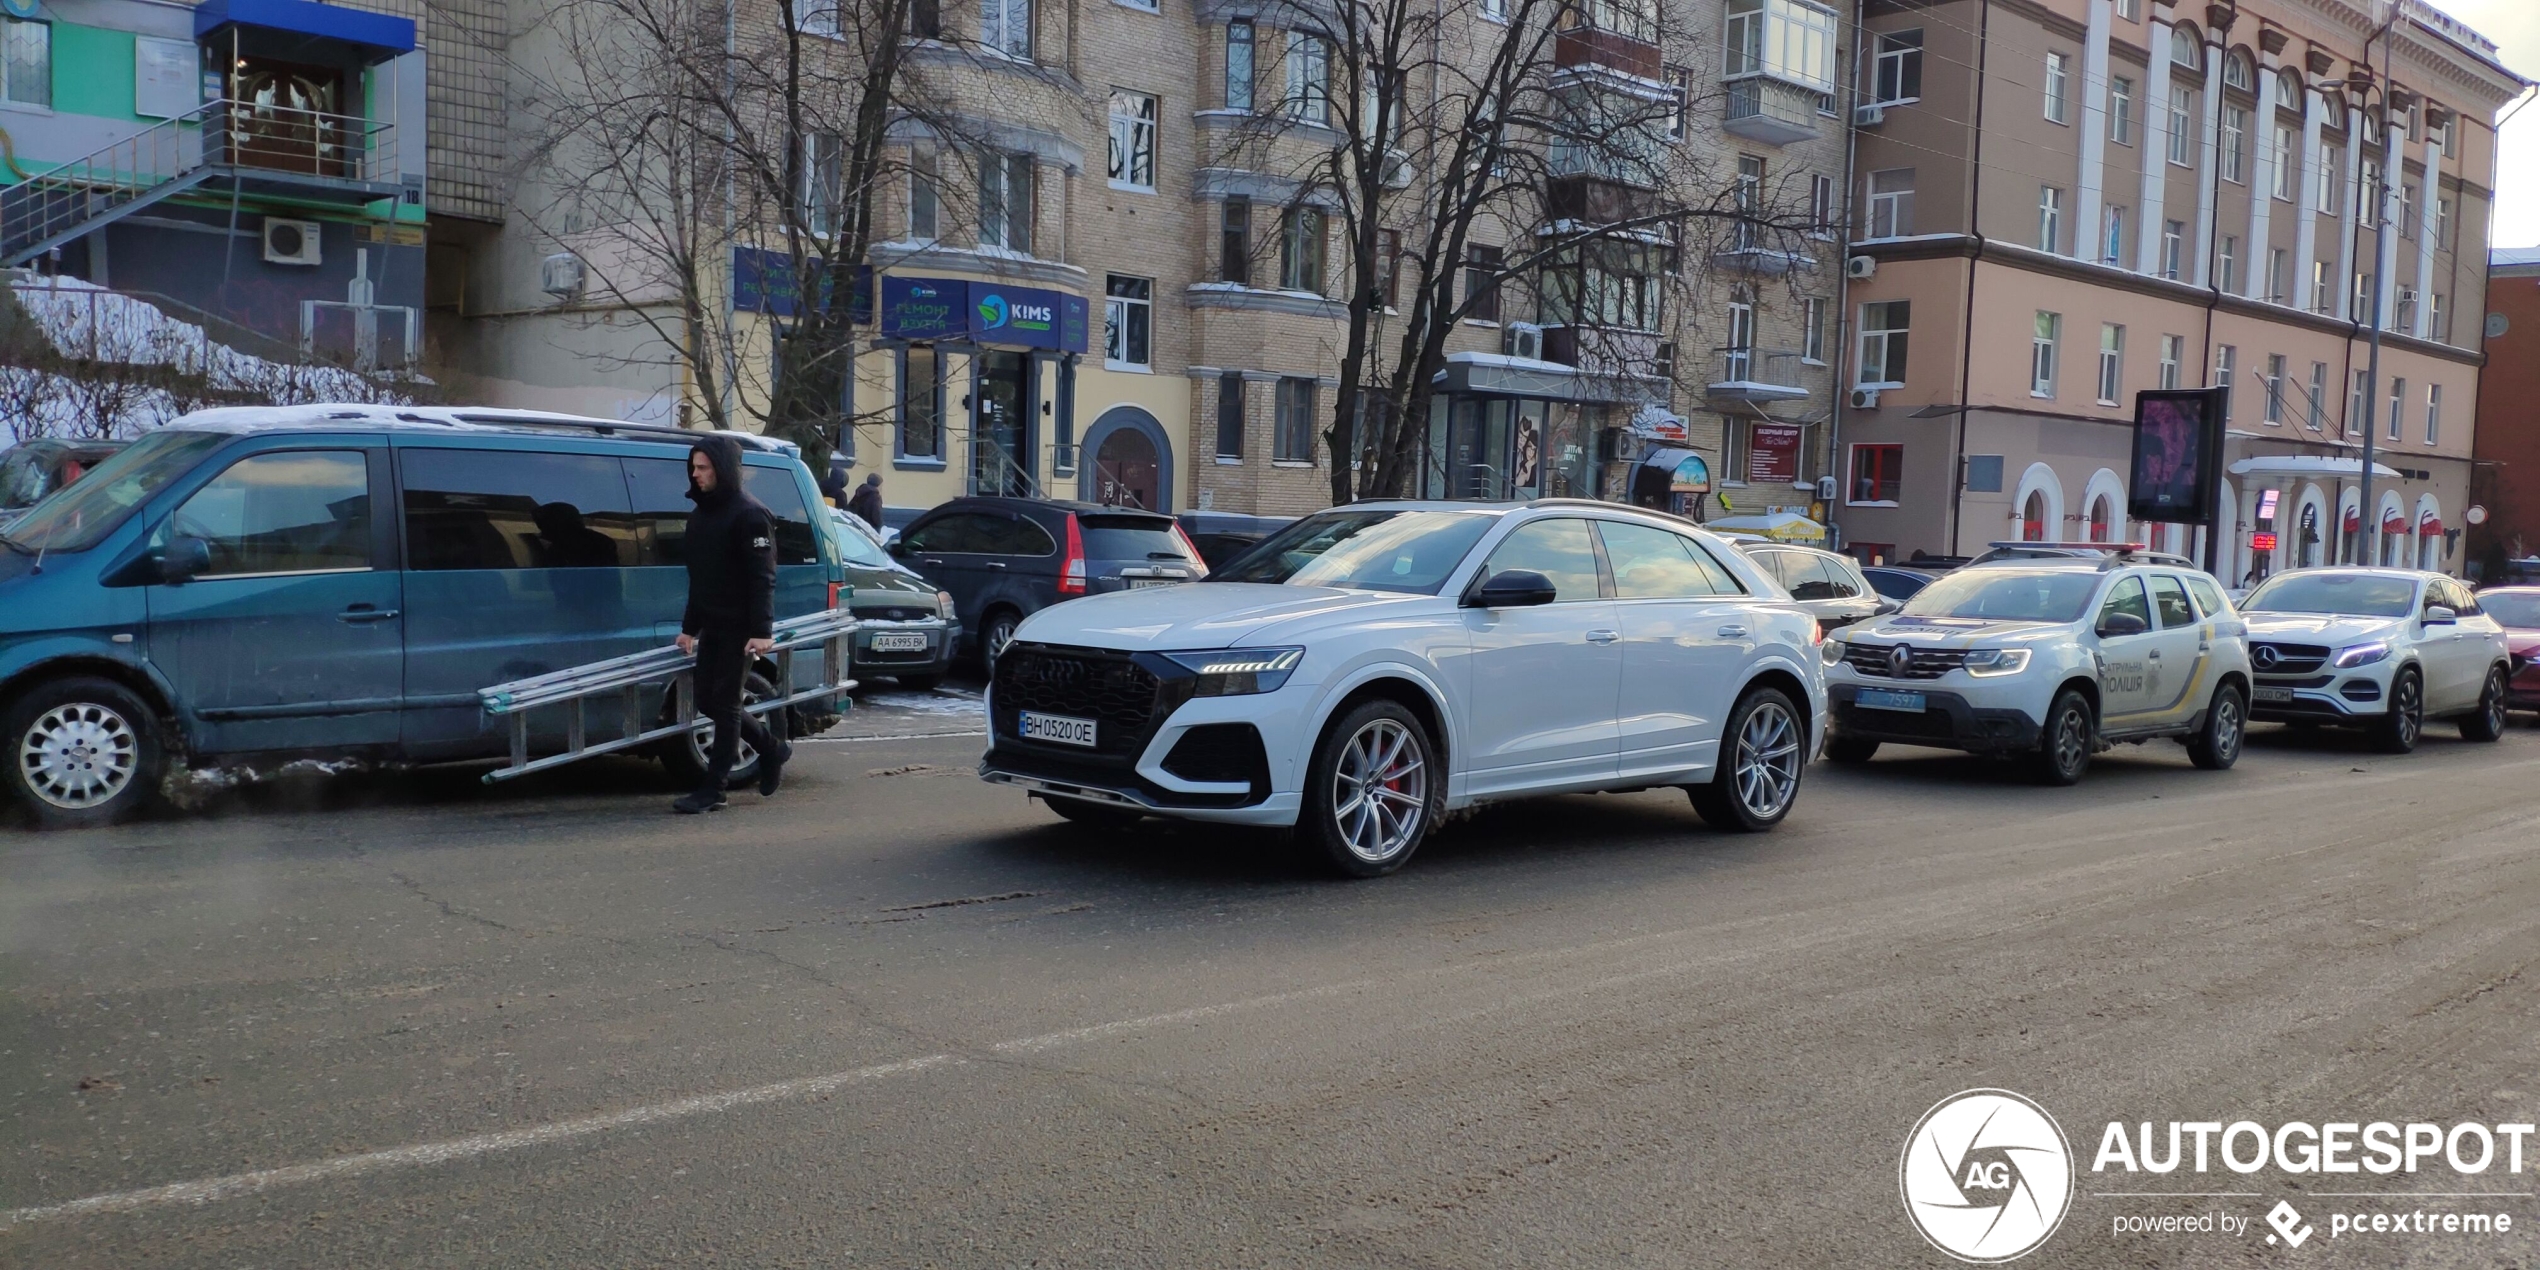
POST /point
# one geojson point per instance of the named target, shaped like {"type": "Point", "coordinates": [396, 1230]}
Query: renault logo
{"type": "Point", "coordinates": [1900, 659]}
{"type": "Point", "coordinates": [2264, 657]}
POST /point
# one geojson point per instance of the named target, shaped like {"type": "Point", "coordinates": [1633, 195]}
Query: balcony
{"type": "Point", "coordinates": [1583, 46]}
{"type": "Point", "coordinates": [1773, 111]}
{"type": "Point", "coordinates": [1748, 251]}
{"type": "Point", "coordinates": [1589, 199]}
{"type": "Point", "coordinates": [1755, 374]}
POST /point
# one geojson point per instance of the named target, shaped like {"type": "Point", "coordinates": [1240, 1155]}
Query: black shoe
{"type": "Point", "coordinates": [697, 803]}
{"type": "Point", "coordinates": [771, 768]}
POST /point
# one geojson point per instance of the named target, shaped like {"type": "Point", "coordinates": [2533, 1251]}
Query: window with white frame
{"type": "Point", "coordinates": [1301, 234]}
{"type": "Point", "coordinates": [2121, 110]}
{"type": "Point", "coordinates": [1891, 204]}
{"type": "Point", "coordinates": [2126, 9]}
{"type": "Point", "coordinates": [26, 62]}
{"type": "Point", "coordinates": [2187, 48]}
{"type": "Point", "coordinates": [2315, 409]}
{"type": "Point", "coordinates": [1884, 328]}
{"type": "Point", "coordinates": [2226, 363]}
{"type": "Point", "coordinates": [2182, 123]}
{"type": "Point", "coordinates": [1128, 318]}
{"type": "Point", "coordinates": [2398, 405]}
{"type": "Point", "coordinates": [823, 183]}
{"type": "Point", "coordinates": [2050, 218]}
{"type": "Point", "coordinates": [2173, 247]}
{"type": "Point", "coordinates": [2368, 192]}
{"type": "Point", "coordinates": [1738, 357]}
{"type": "Point", "coordinates": [816, 17]}
{"type": "Point", "coordinates": [2434, 414]}
{"type": "Point", "coordinates": [2059, 87]}
{"type": "Point", "coordinates": [2359, 404]}
{"type": "Point", "coordinates": [2235, 144]}
{"type": "Point", "coordinates": [2407, 210]}
{"type": "Point", "coordinates": [1821, 203]}
{"type": "Point", "coordinates": [1006, 26]}
{"type": "Point", "coordinates": [2436, 327]}
{"type": "Point", "coordinates": [2359, 304]}
{"type": "Point", "coordinates": [1787, 39]}
{"type": "Point", "coordinates": [1813, 339]}
{"type": "Point", "coordinates": [2237, 72]}
{"type": "Point", "coordinates": [1292, 432]}
{"type": "Point", "coordinates": [2319, 286]}
{"type": "Point", "coordinates": [2275, 389]}
{"type": "Point", "coordinates": [925, 199]}
{"type": "Point", "coordinates": [1495, 10]}
{"type": "Point", "coordinates": [1005, 201]}
{"type": "Point", "coordinates": [2443, 223]}
{"type": "Point", "coordinates": [2113, 235]}
{"type": "Point", "coordinates": [2230, 262]}
{"type": "Point", "coordinates": [2325, 196]}
{"type": "Point", "coordinates": [1132, 140]}
{"type": "Point", "coordinates": [2280, 176]}
{"type": "Point", "coordinates": [1309, 77]}
{"type": "Point", "coordinates": [1897, 69]}
{"type": "Point", "coordinates": [2047, 332]}
{"type": "Point", "coordinates": [2173, 348]}
{"type": "Point", "coordinates": [1239, 64]}
{"type": "Point", "coordinates": [2111, 363]}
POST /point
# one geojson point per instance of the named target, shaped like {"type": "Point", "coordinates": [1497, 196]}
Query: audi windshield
{"type": "Point", "coordinates": [1409, 551]}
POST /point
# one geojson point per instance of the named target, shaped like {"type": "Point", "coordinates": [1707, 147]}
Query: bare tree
{"type": "Point", "coordinates": [1425, 127]}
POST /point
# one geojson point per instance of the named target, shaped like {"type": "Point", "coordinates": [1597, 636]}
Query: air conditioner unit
{"type": "Point", "coordinates": [560, 274]}
{"type": "Point", "coordinates": [1864, 399]}
{"type": "Point", "coordinates": [1868, 116]}
{"type": "Point", "coordinates": [1523, 339]}
{"type": "Point", "coordinates": [1860, 267]}
{"type": "Point", "coordinates": [1397, 171]}
{"type": "Point", "coordinates": [291, 242]}
{"type": "Point", "coordinates": [1825, 488]}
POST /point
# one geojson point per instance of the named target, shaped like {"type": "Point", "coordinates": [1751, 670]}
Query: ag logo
{"type": "Point", "coordinates": [991, 312]}
{"type": "Point", "coordinates": [1987, 1176]}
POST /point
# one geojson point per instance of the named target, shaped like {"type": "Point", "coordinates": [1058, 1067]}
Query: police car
{"type": "Point", "coordinates": [2050, 660]}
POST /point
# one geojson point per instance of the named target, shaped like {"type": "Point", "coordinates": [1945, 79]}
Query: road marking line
{"type": "Point", "coordinates": [208, 1190]}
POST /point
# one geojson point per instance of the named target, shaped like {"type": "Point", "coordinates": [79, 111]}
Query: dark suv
{"type": "Point", "coordinates": [1004, 559]}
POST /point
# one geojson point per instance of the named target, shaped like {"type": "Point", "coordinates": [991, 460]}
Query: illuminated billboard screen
{"type": "Point", "coordinates": [2177, 456]}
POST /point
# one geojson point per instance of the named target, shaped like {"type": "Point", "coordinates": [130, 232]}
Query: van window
{"type": "Point", "coordinates": [776, 488]}
{"type": "Point", "coordinates": [509, 509]}
{"type": "Point", "coordinates": [79, 517]}
{"type": "Point", "coordinates": [659, 489]}
{"type": "Point", "coordinates": [294, 511]}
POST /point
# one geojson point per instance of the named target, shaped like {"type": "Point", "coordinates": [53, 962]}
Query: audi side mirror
{"type": "Point", "coordinates": [186, 558]}
{"type": "Point", "coordinates": [1512, 589]}
{"type": "Point", "coordinates": [2439, 615]}
{"type": "Point", "coordinates": [1887, 607]}
{"type": "Point", "coordinates": [2117, 624]}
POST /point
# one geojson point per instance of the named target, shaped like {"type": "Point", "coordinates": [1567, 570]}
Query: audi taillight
{"type": "Point", "coordinates": [1071, 575]}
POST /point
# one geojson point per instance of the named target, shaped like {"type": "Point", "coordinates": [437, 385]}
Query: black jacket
{"type": "Point", "coordinates": [731, 550]}
{"type": "Point", "coordinates": [867, 503]}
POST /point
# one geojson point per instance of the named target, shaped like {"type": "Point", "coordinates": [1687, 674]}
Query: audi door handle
{"type": "Point", "coordinates": [1603, 637]}
{"type": "Point", "coordinates": [365, 615]}
{"type": "Point", "coordinates": [1732, 632]}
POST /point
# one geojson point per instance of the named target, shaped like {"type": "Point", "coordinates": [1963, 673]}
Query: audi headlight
{"type": "Point", "coordinates": [2361, 655]}
{"type": "Point", "coordinates": [1831, 650]}
{"type": "Point", "coordinates": [1237, 672]}
{"type": "Point", "coordinates": [1988, 662]}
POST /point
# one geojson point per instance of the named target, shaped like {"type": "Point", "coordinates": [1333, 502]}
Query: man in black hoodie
{"type": "Point", "coordinates": [731, 550]}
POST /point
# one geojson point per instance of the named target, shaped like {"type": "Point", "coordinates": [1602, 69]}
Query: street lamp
{"type": "Point", "coordinates": [2361, 86]}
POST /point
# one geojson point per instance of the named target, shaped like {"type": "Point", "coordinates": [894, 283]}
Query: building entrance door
{"type": "Point", "coordinates": [1001, 425]}
{"type": "Point", "coordinates": [1125, 470]}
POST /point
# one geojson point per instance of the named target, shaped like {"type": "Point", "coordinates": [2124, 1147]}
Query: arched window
{"type": "Point", "coordinates": [2288, 90]}
{"type": "Point", "coordinates": [2187, 46]}
{"type": "Point", "coordinates": [2333, 110]}
{"type": "Point", "coordinates": [2102, 520]}
{"type": "Point", "coordinates": [2033, 518]}
{"type": "Point", "coordinates": [2239, 71]}
{"type": "Point", "coordinates": [2309, 548]}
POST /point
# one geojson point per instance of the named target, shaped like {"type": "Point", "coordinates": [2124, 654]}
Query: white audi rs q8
{"type": "Point", "coordinates": [1368, 669]}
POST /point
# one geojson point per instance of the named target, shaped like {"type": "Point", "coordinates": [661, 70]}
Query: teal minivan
{"type": "Point", "coordinates": [338, 581]}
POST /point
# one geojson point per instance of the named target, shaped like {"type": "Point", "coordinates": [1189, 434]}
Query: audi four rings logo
{"type": "Point", "coordinates": [1900, 659]}
{"type": "Point", "coordinates": [1987, 1176]}
{"type": "Point", "coordinates": [2264, 657]}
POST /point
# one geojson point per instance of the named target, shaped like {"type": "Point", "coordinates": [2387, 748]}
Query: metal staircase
{"type": "Point", "coordinates": [247, 146]}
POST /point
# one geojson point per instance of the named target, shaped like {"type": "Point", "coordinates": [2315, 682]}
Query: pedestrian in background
{"type": "Point", "coordinates": [868, 500]}
{"type": "Point", "coordinates": [731, 616]}
{"type": "Point", "coordinates": [834, 486]}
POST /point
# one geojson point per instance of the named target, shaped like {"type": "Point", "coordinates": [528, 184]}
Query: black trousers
{"type": "Point", "coordinates": [723, 661]}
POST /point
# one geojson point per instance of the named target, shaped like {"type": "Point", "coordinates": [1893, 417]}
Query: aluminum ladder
{"type": "Point", "coordinates": [622, 679]}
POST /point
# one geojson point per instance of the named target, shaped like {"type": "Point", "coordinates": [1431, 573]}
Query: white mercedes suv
{"type": "Point", "coordinates": [1368, 669]}
{"type": "Point", "coordinates": [2385, 649]}
{"type": "Point", "coordinates": [2048, 659]}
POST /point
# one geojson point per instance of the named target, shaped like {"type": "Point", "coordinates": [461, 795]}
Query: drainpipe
{"type": "Point", "coordinates": [1967, 338]}
{"type": "Point", "coordinates": [1843, 281]}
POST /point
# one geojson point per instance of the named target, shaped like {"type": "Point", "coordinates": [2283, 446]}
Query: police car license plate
{"type": "Point", "coordinates": [899, 643]}
{"type": "Point", "coordinates": [1883, 699]}
{"type": "Point", "coordinates": [1142, 583]}
{"type": "Point", "coordinates": [2273, 694]}
{"type": "Point", "coordinates": [1058, 728]}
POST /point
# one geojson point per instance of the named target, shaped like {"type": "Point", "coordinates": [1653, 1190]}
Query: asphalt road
{"type": "Point", "coordinates": [897, 1018]}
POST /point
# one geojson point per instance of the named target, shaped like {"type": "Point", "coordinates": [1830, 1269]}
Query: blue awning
{"type": "Point", "coordinates": [320, 31]}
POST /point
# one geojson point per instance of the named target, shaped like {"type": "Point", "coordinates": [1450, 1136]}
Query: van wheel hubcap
{"type": "Point", "coordinates": [1380, 792]}
{"type": "Point", "coordinates": [79, 755]}
{"type": "Point", "coordinates": [1767, 760]}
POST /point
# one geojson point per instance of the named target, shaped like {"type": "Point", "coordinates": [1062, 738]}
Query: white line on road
{"type": "Point", "coordinates": [232, 1186]}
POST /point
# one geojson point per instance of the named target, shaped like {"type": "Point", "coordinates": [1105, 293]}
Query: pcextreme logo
{"type": "Point", "coordinates": [1987, 1176]}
